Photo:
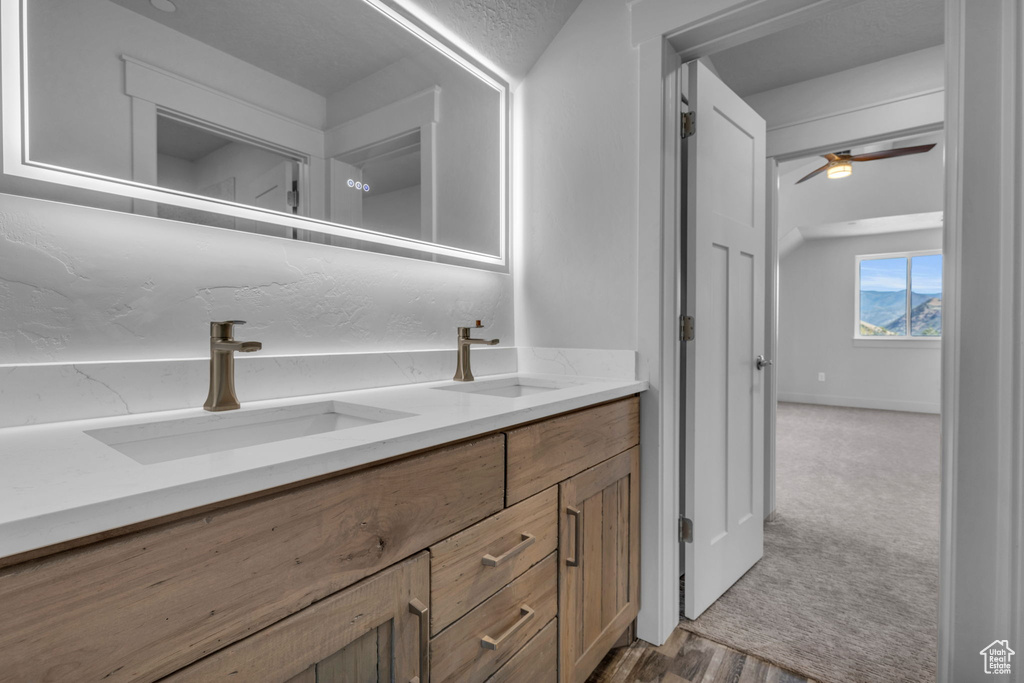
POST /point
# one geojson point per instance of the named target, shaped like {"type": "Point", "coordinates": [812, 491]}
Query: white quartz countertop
{"type": "Point", "coordinates": [58, 483]}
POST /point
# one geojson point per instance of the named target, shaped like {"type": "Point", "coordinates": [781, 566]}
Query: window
{"type": "Point", "coordinates": [899, 296]}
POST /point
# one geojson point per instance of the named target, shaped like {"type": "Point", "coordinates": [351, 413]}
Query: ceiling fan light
{"type": "Point", "coordinates": [839, 169]}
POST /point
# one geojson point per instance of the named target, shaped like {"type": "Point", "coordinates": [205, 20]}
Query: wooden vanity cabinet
{"type": "Point", "coordinates": [599, 547]}
{"type": "Point", "coordinates": [373, 632]}
{"type": "Point", "coordinates": [144, 605]}
{"type": "Point", "coordinates": [512, 556]}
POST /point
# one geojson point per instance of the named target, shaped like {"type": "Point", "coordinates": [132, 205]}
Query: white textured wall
{"type": "Point", "coordinates": [816, 323]}
{"type": "Point", "coordinates": [81, 284]}
{"type": "Point", "coordinates": [576, 284]}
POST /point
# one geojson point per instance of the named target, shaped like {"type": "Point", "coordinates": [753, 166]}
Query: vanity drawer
{"type": "Point", "coordinates": [144, 605]}
{"type": "Point", "coordinates": [506, 621]}
{"type": "Point", "coordinates": [537, 662]}
{"type": "Point", "coordinates": [469, 567]}
{"type": "Point", "coordinates": [544, 453]}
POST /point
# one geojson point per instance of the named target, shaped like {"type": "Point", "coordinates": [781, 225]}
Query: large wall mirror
{"type": "Point", "coordinates": [335, 121]}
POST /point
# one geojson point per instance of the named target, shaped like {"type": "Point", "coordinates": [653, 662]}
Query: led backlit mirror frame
{"type": "Point", "coordinates": [17, 161]}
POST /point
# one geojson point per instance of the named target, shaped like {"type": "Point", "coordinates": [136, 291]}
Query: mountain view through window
{"type": "Point", "coordinates": [886, 310]}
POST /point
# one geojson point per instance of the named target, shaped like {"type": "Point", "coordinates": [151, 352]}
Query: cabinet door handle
{"type": "Point", "coordinates": [526, 613]}
{"type": "Point", "coordinates": [423, 612]}
{"type": "Point", "coordinates": [492, 561]}
{"type": "Point", "coordinates": [574, 561]}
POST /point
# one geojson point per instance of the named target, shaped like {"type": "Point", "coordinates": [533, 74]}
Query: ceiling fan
{"type": "Point", "coordinates": [841, 165]}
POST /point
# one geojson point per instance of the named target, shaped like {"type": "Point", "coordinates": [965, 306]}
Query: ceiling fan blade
{"type": "Point", "coordinates": [811, 174]}
{"type": "Point", "coordinates": [830, 156]}
{"type": "Point", "coordinates": [888, 154]}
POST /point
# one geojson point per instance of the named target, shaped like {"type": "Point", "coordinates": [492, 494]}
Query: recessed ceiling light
{"type": "Point", "coordinates": [163, 5]}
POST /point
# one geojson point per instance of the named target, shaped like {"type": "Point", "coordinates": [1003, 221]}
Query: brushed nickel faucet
{"type": "Point", "coordinates": [463, 373]}
{"type": "Point", "coordinates": [222, 365]}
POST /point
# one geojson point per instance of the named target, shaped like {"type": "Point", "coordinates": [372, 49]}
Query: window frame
{"type": "Point", "coordinates": [859, 338]}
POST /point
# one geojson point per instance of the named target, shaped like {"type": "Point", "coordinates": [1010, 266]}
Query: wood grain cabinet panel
{"type": "Point", "coordinates": [537, 662]}
{"type": "Point", "coordinates": [544, 453]}
{"type": "Point", "coordinates": [508, 619]}
{"type": "Point", "coordinates": [469, 567]}
{"type": "Point", "coordinates": [599, 562]}
{"type": "Point", "coordinates": [364, 634]}
{"type": "Point", "coordinates": [142, 606]}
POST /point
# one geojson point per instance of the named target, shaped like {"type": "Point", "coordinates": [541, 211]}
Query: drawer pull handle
{"type": "Point", "coordinates": [422, 611]}
{"type": "Point", "coordinates": [526, 613]}
{"type": "Point", "coordinates": [492, 561]}
{"type": "Point", "coordinates": [574, 561]}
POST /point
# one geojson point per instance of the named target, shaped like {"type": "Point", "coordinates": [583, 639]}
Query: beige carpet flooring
{"type": "Point", "coordinates": [847, 589]}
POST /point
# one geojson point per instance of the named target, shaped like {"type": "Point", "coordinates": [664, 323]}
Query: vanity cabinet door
{"type": "Point", "coordinates": [374, 632]}
{"type": "Point", "coordinates": [599, 555]}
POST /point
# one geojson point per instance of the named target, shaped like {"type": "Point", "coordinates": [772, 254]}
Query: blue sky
{"type": "Point", "coordinates": [890, 274]}
{"type": "Point", "coordinates": [926, 273]}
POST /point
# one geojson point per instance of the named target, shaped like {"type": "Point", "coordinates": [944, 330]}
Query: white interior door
{"type": "Point", "coordinates": [724, 407]}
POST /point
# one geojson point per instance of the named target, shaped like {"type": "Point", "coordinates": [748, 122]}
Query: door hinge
{"type": "Point", "coordinates": [292, 199]}
{"type": "Point", "coordinates": [686, 328]}
{"type": "Point", "coordinates": [689, 124]}
{"type": "Point", "coordinates": [685, 530]}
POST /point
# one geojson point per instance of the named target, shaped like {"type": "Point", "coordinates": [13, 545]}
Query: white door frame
{"type": "Point", "coordinates": [997, 207]}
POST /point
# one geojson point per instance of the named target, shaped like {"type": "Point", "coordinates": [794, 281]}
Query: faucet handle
{"type": "Point", "coordinates": [224, 329]}
{"type": "Point", "coordinates": [464, 331]}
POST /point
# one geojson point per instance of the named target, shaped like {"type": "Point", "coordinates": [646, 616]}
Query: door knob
{"type": "Point", "coordinates": [762, 362]}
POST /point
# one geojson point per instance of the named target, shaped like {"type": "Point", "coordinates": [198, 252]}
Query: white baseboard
{"type": "Point", "coordinates": [856, 402]}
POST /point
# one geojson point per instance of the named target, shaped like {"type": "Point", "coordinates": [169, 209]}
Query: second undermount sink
{"type": "Point", "coordinates": [509, 387]}
{"type": "Point", "coordinates": [156, 442]}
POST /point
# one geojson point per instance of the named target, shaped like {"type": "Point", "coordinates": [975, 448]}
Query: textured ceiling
{"type": "Point", "coordinates": [322, 45]}
{"type": "Point", "coordinates": [864, 32]}
{"type": "Point", "coordinates": [512, 34]}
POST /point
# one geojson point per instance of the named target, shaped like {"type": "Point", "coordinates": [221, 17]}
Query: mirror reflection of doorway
{"type": "Point", "coordinates": [200, 160]}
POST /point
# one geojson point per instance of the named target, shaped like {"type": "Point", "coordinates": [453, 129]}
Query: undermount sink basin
{"type": "Point", "coordinates": [510, 387]}
{"type": "Point", "coordinates": [156, 442]}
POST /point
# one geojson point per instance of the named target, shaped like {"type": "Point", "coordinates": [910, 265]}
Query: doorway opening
{"type": "Point", "coordinates": [857, 353]}
{"type": "Point", "coordinates": [850, 565]}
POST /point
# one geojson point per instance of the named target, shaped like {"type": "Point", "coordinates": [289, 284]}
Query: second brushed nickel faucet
{"type": "Point", "coordinates": [463, 373]}
{"type": "Point", "coordinates": [222, 364]}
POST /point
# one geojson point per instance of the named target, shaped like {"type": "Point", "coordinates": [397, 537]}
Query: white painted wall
{"type": "Point", "coordinates": [577, 230]}
{"type": "Point", "coordinates": [816, 322]}
{"type": "Point", "coordinates": [868, 103]}
{"type": "Point", "coordinates": [858, 88]}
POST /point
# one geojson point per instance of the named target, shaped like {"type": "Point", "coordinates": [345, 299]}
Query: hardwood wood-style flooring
{"type": "Point", "coordinates": [687, 658]}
